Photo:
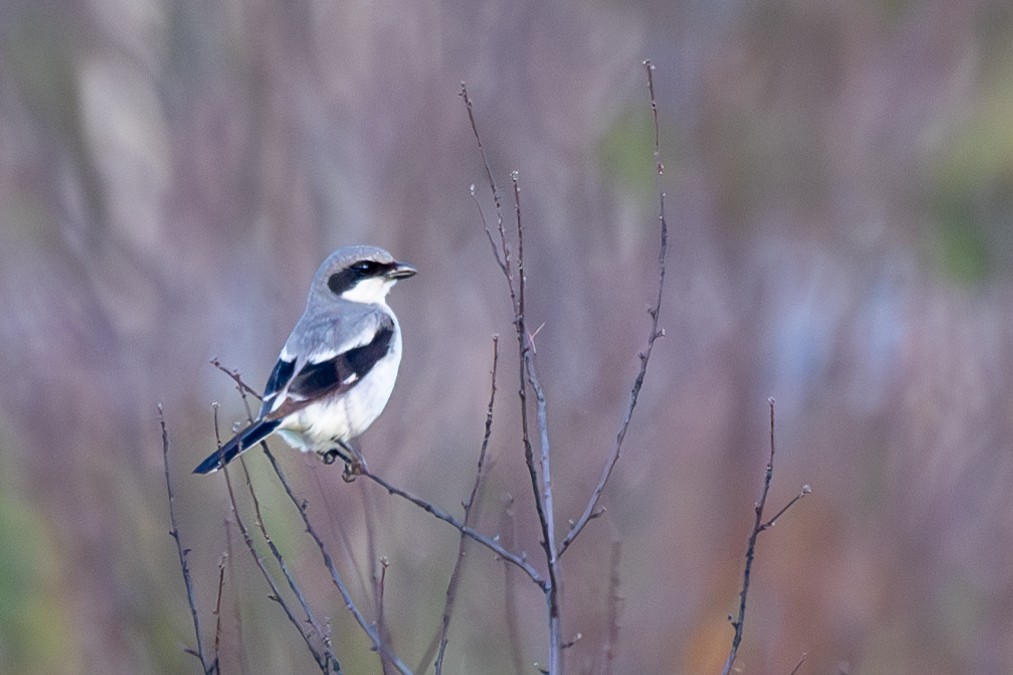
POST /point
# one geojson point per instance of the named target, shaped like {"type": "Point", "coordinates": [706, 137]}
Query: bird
{"type": "Point", "coordinates": [337, 369]}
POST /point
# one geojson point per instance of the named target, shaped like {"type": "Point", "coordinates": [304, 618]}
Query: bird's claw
{"type": "Point", "coordinates": [352, 469]}
{"type": "Point", "coordinates": [330, 456]}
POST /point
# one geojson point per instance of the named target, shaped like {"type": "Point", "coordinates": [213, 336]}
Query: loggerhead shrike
{"type": "Point", "coordinates": [337, 369]}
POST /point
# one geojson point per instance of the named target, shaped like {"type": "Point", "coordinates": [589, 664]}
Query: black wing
{"type": "Point", "coordinates": [337, 374]}
{"type": "Point", "coordinates": [280, 376]}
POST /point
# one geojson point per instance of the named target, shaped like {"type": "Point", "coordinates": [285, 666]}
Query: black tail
{"type": "Point", "coordinates": [242, 442]}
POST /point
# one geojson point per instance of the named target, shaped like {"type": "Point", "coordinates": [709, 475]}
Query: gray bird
{"type": "Point", "coordinates": [337, 370]}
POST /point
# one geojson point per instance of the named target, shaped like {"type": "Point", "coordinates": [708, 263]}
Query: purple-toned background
{"type": "Point", "coordinates": [840, 193]}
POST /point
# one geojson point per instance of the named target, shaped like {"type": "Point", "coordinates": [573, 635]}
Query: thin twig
{"type": "Point", "coordinates": [469, 516]}
{"type": "Point", "coordinates": [541, 487]}
{"type": "Point", "coordinates": [542, 491]}
{"type": "Point", "coordinates": [502, 254]}
{"type": "Point", "coordinates": [488, 232]}
{"type": "Point", "coordinates": [302, 506]}
{"type": "Point", "coordinates": [591, 511]}
{"type": "Point", "coordinates": [326, 659]}
{"type": "Point", "coordinates": [799, 664]}
{"type": "Point", "coordinates": [337, 529]}
{"type": "Point", "coordinates": [218, 603]}
{"type": "Point", "coordinates": [237, 378]}
{"type": "Point", "coordinates": [613, 608]}
{"type": "Point", "coordinates": [375, 582]}
{"type": "Point", "coordinates": [229, 526]}
{"type": "Point", "coordinates": [326, 656]}
{"type": "Point", "coordinates": [758, 526]}
{"type": "Point", "coordinates": [516, 289]}
{"type": "Point", "coordinates": [806, 490]}
{"type": "Point", "coordinates": [489, 542]}
{"type": "Point", "coordinates": [244, 389]}
{"type": "Point", "coordinates": [212, 665]}
{"type": "Point", "coordinates": [503, 262]}
{"type": "Point", "coordinates": [510, 595]}
{"type": "Point", "coordinates": [381, 625]}
{"type": "Point", "coordinates": [322, 661]}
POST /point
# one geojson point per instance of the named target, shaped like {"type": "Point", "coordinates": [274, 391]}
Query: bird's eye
{"type": "Point", "coordinates": [346, 279]}
{"type": "Point", "coordinates": [366, 267]}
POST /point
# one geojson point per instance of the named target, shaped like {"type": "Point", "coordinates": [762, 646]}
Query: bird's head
{"type": "Point", "coordinates": [363, 274]}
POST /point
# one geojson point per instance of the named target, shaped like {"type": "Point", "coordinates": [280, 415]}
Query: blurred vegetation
{"type": "Point", "coordinates": [35, 635]}
{"type": "Point", "coordinates": [973, 194]}
{"type": "Point", "coordinates": [621, 153]}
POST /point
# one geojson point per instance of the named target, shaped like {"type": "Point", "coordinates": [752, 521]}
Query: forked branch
{"type": "Point", "coordinates": [759, 525]}
{"type": "Point", "coordinates": [541, 486]}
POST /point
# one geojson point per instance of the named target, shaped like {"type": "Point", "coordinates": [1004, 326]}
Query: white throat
{"type": "Point", "coordinates": [369, 291]}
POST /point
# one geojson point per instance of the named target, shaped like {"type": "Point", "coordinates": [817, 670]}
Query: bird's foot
{"type": "Point", "coordinates": [355, 465]}
{"type": "Point", "coordinates": [330, 456]}
{"type": "Point", "coordinates": [352, 469]}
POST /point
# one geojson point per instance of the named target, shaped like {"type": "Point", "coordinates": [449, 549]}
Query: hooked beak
{"type": "Point", "coordinates": [401, 271]}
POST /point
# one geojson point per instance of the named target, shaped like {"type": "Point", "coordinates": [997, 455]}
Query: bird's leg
{"type": "Point", "coordinates": [329, 456]}
{"type": "Point", "coordinates": [354, 453]}
{"type": "Point", "coordinates": [353, 466]}
{"type": "Point", "coordinates": [354, 463]}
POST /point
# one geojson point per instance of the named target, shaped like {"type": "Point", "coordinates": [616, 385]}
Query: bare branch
{"type": "Point", "coordinates": [381, 625]}
{"type": "Point", "coordinates": [302, 506]}
{"type": "Point", "coordinates": [209, 666]}
{"type": "Point", "coordinates": [591, 511]}
{"type": "Point", "coordinates": [485, 160]}
{"type": "Point", "coordinates": [806, 490]}
{"type": "Point", "coordinates": [510, 595]}
{"type": "Point", "coordinates": [798, 665]}
{"type": "Point", "coordinates": [469, 515]}
{"type": "Point", "coordinates": [613, 609]}
{"type": "Point", "coordinates": [539, 468]}
{"type": "Point", "coordinates": [488, 231]}
{"type": "Point", "coordinates": [758, 526]}
{"type": "Point", "coordinates": [376, 581]}
{"type": "Point", "coordinates": [323, 662]}
{"type": "Point", "coordinates": [326, 657]}
{"type": "Point", "coordinates": [218, 603]}
{"type": "Point", "coordinates": [490, 543]}
{"type": "Point", "coordinates": [542, 490]}
{"type": "Point", "coordinates": [541, 487]}
{"type": "Point", "coordinates": [244, 388]}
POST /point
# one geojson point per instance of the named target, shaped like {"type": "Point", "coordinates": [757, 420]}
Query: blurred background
{"type": "Point", "coordinates": [840, 194]}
